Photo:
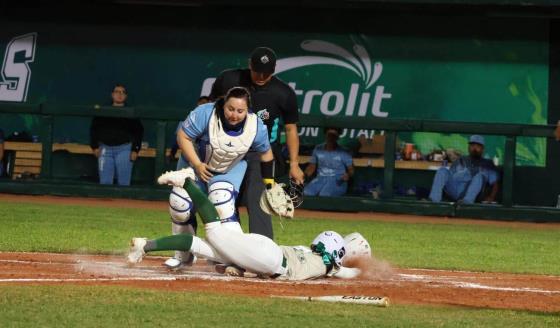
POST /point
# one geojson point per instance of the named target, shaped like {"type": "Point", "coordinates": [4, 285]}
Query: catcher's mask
{"type": "Point", "coordinates": [295, 191]}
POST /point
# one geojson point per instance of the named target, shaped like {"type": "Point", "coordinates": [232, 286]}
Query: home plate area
{"type": "Point", "coordinates": [401, 286]}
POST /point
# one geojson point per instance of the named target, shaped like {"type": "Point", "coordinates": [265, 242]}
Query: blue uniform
{"type": "Point", "coordinates": [196, 128]}
{"type": "Point", "coordinates": [464, 180]}
{"type": "Point", "coordinates": [331, 166]}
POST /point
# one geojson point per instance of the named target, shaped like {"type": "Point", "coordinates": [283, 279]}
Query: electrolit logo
{"type": "Point", "coordinates": [359, 98]}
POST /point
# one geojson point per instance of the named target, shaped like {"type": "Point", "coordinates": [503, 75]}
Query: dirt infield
{"type": "Point", "coordinates": [410, 286]}
{"type": "Point", "coordinates": [402, 286]}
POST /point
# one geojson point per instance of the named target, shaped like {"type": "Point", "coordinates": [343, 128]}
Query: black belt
{"type": "Point", "coordinates": [284, 265]}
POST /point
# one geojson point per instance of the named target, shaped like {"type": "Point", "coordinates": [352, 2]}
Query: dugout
{"type": "Point", "coordinates": [445, 67]}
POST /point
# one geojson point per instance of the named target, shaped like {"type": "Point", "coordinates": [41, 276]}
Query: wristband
{"type": "Point", "coordinates": [267, 170]}
{"type": "Point", "coordinates": [268, 182]}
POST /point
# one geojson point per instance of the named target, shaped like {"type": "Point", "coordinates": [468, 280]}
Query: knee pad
{"type": "Point", "coordinates": [180, 205]}
{"type": "Point", "coordinates": [222, 195]}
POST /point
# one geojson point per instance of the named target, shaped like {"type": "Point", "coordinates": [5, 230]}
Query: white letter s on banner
{"type": "Point", "coordinates": [17, 75]}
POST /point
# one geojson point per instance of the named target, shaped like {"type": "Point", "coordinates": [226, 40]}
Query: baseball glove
{"type": "Point", "coordinates": [275, 201]}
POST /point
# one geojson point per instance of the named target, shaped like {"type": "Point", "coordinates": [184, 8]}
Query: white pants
{"type": "Point", "coordinates": [252, 252]}
{"type": "Point", "coordinates": [201, 248]}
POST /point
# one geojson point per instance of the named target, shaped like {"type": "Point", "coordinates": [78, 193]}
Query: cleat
{"type": "Point", "coordinates": [176, 264]}
{"type": "Point", "coordinates": [173, 264]}
{"type": "Point", "coordinates": [234, 271]}
{"type": "Point", "coordinates": [177, 178]}
{"type": "Point", "coordinates": [136, 251]}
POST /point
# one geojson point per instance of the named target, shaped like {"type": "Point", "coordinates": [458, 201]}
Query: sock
{"type": "Point", "coordinates": [200, 200]}
{"type": "Point", "coordinates": [182, 242]}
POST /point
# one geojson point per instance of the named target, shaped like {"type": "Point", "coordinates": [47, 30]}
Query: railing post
{"type": "Point", "coordinates": [509, 165]}
{"type": "Point", "coordinates": [47, 141]}
{"type": "Point", "coordinates": [389, 166]}
{"type": "Point", "coordinates": [160, 149]}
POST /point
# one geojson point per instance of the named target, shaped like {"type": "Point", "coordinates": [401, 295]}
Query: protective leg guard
{"type": "Point", "coordinates": [180, 206]}
{"type": "Point", "coordinates": [222, 194]}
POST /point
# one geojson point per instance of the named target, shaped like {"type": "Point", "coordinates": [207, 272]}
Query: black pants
{"type": "Point", "coordinates": [250, 194]}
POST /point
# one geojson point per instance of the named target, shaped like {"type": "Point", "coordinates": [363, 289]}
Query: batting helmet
{"type": "Point", "coordinates": [330, 245]}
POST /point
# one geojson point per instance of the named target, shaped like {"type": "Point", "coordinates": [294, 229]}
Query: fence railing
{"type": "Point", "coordinates": [164, 116]}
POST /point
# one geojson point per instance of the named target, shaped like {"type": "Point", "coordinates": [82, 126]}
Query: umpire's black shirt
{"type": "Point", "coordinates": [272, 102]}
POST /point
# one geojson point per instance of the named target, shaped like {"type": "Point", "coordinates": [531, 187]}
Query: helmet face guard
{"type": "Point", "coordinates": [357, 246]}
{"type": "Point", "coordinates": [295, 191]}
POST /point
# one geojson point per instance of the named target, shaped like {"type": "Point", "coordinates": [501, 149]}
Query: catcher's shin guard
{"type": "Point", "coordinates": [222, 194]}
{"type": "Point", "coordinates": [180, 206]}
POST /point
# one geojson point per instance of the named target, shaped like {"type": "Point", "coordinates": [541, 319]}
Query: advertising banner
{"type": "Point", "coordinates": [372, 74]}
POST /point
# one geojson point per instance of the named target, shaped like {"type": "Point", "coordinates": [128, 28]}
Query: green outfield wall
{"type": "Point", "coordinates": [362, 64]}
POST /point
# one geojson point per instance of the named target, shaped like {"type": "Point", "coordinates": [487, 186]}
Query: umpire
{"type": "Point", "coordinates": [274, 102]}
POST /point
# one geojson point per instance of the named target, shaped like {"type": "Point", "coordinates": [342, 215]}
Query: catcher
{"type": "Point", "coordinates": [214, 140]}
{"type": "Point", "coordinates": [254, 252]}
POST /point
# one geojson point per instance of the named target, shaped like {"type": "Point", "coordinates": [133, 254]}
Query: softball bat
{"type": "Point", "coordinates": [368, 300]}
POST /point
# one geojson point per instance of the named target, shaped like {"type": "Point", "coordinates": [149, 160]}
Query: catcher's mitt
{"type": "Point", "coordinates": [275, 201]}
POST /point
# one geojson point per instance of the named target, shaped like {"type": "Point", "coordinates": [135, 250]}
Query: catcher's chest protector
{"type": "Point", "coordinates": [224, 151]}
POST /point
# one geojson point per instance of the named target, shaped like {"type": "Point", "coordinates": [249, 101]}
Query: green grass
{"type": "Point", "coordinates": [61, 228]}
{"type": "Point", "coordinates": [103, 306]}
{"type": "Point", "coordinates": [84, 229]}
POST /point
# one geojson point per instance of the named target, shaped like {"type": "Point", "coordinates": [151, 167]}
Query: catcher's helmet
{"type": "Point", "coordinates": [331, 245]}
{"type": "Point", "coordinates": [295, 191]}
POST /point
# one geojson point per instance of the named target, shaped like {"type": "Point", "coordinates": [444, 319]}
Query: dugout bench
{"type": "Point", "coordinates": [27, 156]}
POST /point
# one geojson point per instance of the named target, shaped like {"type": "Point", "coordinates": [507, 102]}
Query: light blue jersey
{"type": "Point", "coordinates": [196, 128]}
{"type": "Point", "coordinates": [331, 166]}
{"type": "Point", "coordinates": [330, 163]}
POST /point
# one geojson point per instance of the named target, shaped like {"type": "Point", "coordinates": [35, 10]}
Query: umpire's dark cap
{"type": "Point", "coordinates": [263, 60]}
